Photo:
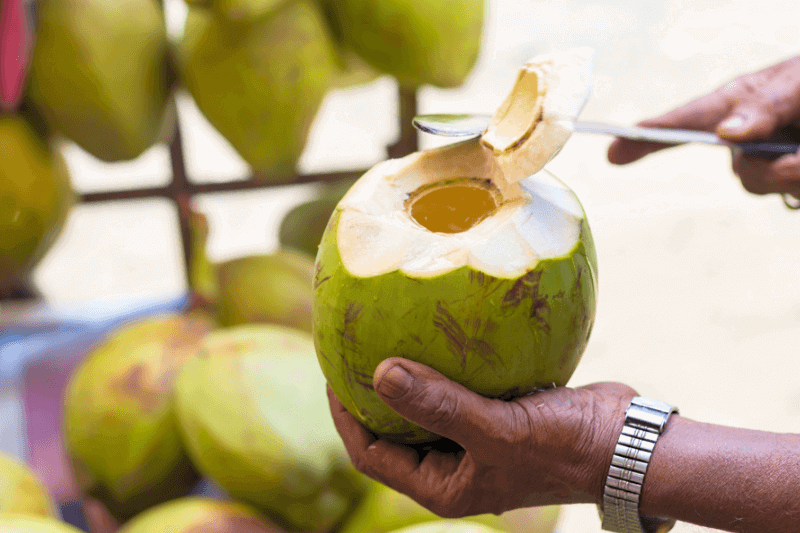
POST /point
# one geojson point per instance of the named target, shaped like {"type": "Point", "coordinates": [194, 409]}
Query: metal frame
{"type": "Point", "coordinates": [181, 189]}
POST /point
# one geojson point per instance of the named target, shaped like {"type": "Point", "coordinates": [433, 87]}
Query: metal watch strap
{"type": "Point", "coordinates": [645, 419]}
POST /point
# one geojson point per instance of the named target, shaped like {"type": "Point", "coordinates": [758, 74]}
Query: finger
{"type": "Point", "coordinates": [425, 397]}
{"type": "Point", "coordinates": [702, 114]}
{"type": "Point", "coordinates": [748, 122]}
{"type": "Point", "coordinates": [761, 102]}
{"type": "Point", "coordinates": [355, 437]}
{"type": "Point", "coordinates": [395, 465]}
{"type": "Point", "coordinates": [761, 176]}
{"type": "Point", "coordinates": [376, 458]}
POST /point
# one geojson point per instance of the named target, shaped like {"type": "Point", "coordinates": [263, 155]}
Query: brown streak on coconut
{"type": "Point", "coordinates": [136, 386]}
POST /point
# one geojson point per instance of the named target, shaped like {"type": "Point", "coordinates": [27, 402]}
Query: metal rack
{"type": "Point", "coordinates": [181, 189]}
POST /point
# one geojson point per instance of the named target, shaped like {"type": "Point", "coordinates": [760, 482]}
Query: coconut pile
{"type": "Point", "coordinates": [471, 258]}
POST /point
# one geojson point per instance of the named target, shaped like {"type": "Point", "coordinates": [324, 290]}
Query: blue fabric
{"type": "Point", "coordinates": [23, 344]}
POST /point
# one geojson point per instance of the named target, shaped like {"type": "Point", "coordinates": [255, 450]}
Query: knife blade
{"type": "Point", "coordinates": [471, 125]}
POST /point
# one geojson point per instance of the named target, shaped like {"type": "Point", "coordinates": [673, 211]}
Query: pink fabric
{"type": "Point", "coordinates": [16, 37]}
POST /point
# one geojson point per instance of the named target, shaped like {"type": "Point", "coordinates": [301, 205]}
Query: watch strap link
{"type": "Point", "coordinates": [645, 419]}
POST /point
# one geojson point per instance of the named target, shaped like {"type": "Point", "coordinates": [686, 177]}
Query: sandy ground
{"type": "Point", "coordinates": [699, 294]}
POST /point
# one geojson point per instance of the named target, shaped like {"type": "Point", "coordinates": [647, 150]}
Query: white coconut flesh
{"type": "Point", "coordinates": [485, 203]}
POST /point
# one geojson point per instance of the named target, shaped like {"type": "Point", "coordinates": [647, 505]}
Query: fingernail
{"type": "Point", "coordinates": [734, 123]}
{"type": "Point", "coordinates": [395, 383]}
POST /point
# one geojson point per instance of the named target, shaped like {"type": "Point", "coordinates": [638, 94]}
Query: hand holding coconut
{"type": "Point", "coordinates": [555, 447]}
{"type": "Point", "coordinates": [541, 449]}
{"type": "Point", "coordinates": [759, 105]}
{"type": "Point", "coordinates": [454, 295]}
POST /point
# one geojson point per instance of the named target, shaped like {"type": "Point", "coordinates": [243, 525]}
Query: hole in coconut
{"type": "Point", "coordinates": [453, 206]}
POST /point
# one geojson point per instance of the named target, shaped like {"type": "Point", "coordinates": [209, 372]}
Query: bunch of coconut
{"type": "Point", "coordinates": [166, 401]}
{"type": "Point", "coordinates": [259, 70]}
{"type": "Point", "coordinates": [471, 258]}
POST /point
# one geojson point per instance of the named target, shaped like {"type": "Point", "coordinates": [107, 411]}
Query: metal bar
{"type": "Point", "coordinates": [409, 140]}
{"type": "Point", "coordinates": [181, 195]}
{"type": "Point", "coordinates": [180, 190]}
{"type": "Point", "coordinates": [207, 188]}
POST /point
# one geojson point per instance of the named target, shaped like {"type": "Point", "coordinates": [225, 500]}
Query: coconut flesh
{"type": "Point", "coordinates": [469, 258]}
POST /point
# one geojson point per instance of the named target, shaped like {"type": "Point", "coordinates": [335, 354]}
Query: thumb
{"type": "Point", "coordinates": [745, 124]}
{"type": "Point", "coordinates": [427, 398]}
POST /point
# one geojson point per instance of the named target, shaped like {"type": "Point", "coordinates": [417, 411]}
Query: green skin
{"type": "Point", "coordinates": [260, 84]}
{"type": "Point", "coordinates": [448, 526]}
{"type": "Point", "coordinates": [22, 492]}
{"type": "Point", "coordinates": [255, 418]}
{"type": "Point", "coordinates": [272, 289]}
{"type": "Point", "coordinates": [191, 514]}
{"type": "Point", "coordinates": [99, 74]}
{"type": "Point", "coordinates": [35, 198]}
{"type": "Point", "coordinates": [385, 510]}
{"type": "Point", "coordinates": [17, 523]}
{"type": "Point", "coordinates": [120, 431]}
{"type": "Point", "coordinates": [501, 338]}
{"type": "Point", "coordinates": [432, 42]}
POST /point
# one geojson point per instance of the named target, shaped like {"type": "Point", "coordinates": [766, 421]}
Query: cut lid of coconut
{"type": "Point", "coordinates": [532, 124]}
{"type": "Point", "coordinates": [469, 203]}
{"type": "Point", "coordinates": [434, 211]}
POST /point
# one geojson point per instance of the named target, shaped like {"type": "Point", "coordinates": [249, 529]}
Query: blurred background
{"type": "Point", "coordinates": [699, 299]}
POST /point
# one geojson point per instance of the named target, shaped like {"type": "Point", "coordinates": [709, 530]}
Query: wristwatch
{"type": "Point", "coordinates": [645, 419]}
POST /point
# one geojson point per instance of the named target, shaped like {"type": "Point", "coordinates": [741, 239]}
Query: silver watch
{"type": "Point", "coordinates": [644, 421]}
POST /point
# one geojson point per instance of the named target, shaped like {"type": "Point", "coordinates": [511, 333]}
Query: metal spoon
{"type": "Point", "coordinates": [785, 141]}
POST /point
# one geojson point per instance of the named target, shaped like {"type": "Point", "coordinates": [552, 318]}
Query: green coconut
{"type": "Point", "coordinates": [448, 526]}
{"type": "Point", "coordinates": [302, 227]}
{"type": "Point", "coordinates": [432, 42]}
{"type": "Point", "coordinates": [16, 523]}
{"type": "Point", "coordinates": [100, 75]}
{"type": "Point", "coordinates": [21, 492]}
{"type": "Point", "coordinates": [121, 432]}
{"type": "Point", "coordinates": [469, 258]}
{"type": "Point", "coordinates": [35, 197]}
{"type": "Point", "coordinates": [244, 10]}
{"type": "Point", "coordinates": [191, 514]}
{"type": "Point", "coordinates": [260, 84]}
{"type": "Point", "coordinates": [384, 510]}
{"type": "Point", "coordinates": [255, 418]}
{"type": "Point", "coordinates": [271, 288]}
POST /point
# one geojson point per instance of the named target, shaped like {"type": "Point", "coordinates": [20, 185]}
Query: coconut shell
{"type": "Point", "coordinates": [192, 514]}
{"type": "Point", "coordinates": [255, 418]}
{"type": "Point", "coordinates": [35, 197]}
{"type": "Point", "coordinates": [120, 428]}
{"type": "Point", "coordinates": [21, 492]}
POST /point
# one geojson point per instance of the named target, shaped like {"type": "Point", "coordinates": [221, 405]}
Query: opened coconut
{"type": "Point", "coordinates": [469, 258]}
